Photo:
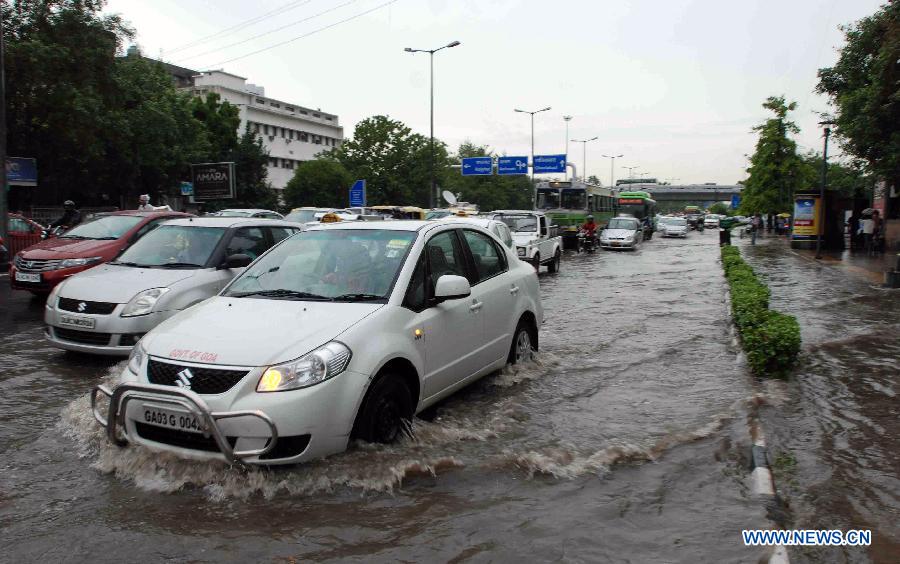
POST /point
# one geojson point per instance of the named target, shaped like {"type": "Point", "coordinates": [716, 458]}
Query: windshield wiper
{"type": "Point", "coordinates": [178, 265]}
{"type": "Point", "coordinates": [130, 264]}
{"type": "Point", "coordinates": [105, 238]}
{"type": "Point", "coordinates": [357, 297]}
{"type": "Point", "coordinates": [280, 293]}
{"type": "Point", "coordinates": [73, 237]}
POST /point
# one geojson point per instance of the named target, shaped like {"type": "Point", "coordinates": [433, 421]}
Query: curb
{"type": "Point", "coordinates": [762, 482]}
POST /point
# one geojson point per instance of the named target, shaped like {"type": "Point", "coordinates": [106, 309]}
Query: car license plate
{"type": "Point", "coordinates": [75, 321]}
{"type": "Point", "coordinates": [171, 419]}
{"type": "Point", "coordinates": [616, 244]}
{"type": "Point", "coordinates": [28, 277]}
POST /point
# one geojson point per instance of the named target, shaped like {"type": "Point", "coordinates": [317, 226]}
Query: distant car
{"type": "Point", "coordinates": [495, 226]}
{"type": "Point", "coordinates": [260, 214]}
{"type": "Point", "coordinates": [305, 215]}
{"type": "Point", "coordinates": [42, 266]}
{"type": "Point", "coordinates": [711, 221]}
{"type": "Point", "coordinates": [107, 309]}
{"type": "Point", "coordinates": [622, 233]}
{"type": "Point", "coordinates": [22, 233]}
{"type": "Point", "coordinates": [673, 227]}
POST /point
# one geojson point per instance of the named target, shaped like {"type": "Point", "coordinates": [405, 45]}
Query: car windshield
{"type": "Point", "coordinates": [104, 227]}
{"type": "Point", "coordinates": [519, 223]}
{"type": "Point", "coordinates": [621, 223]}
{"type": "Point", "coordinates": [676, 221]}
{"type": "Point", "coordinates": [436, 214]}
{"type": "Point", "coordinates": [301, 216]}
{"type": "Point", "coordinates": [173, 246]}
{"type": "Point", "coordinates": [328, 264]}
{"type": "Point", "coordinates": [234, 213]}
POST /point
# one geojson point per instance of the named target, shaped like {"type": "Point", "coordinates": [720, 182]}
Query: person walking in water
{"type": "Point", "coordinates": [755, 225]}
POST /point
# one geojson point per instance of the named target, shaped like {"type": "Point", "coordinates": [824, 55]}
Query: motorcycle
{"type": "Point", "coordinates": [51, 232]}
{"type": "Point", "coordinates": [586, 241]}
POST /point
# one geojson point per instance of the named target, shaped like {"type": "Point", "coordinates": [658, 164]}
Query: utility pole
{"type": "Point", "coordinates": [584, 143]}
{"type": "Point", "coordinates": [567, 119]}
{"type": "Point", "coordinates": [4, 206]}
{"type": "Point", "coordinates": [612, 165]}
{"type": "Point", "coordinates": [631, 170]}
{"type": "Point", "coordinates": [533, 186]}
{"type": "Point", "coordinates": [821, 228]}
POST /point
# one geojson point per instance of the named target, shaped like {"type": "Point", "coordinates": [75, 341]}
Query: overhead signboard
{"type": "Point", "coordinates": [477, 166]}
{"type": "Point", "coordinates": [358, 194]}
{"type": "Point", "coordinates": [735, 201]}
{"type": "Point", "coordinates": [21, 171]}
{"type": "Point", "coordinates": [213, 181]}
{"type": "Point", "coordinates": [512, 165]}
{"type": "Point", "coordinates": [549, 163]}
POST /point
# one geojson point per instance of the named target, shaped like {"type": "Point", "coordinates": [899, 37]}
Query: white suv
{"type": "Point", "coordinates": [345, 330]}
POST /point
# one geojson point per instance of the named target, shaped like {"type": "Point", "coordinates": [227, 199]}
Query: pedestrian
{"type": "Point", "coordinates": [868, 231]}
{"type": "Point", "coordinates": [852, 228]}
{"type": "Point", "coordinates": [144, 204]}
{"type": "Point", "coordinates": [755, 225]}
{"type": "Point", "coordinates": [779, 225]}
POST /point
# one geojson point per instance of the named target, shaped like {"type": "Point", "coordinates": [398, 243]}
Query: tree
{"type": "Point", "coordinates": [250, 162]}
{"type": "Point", "coordinates": [221, 121]}
{"type": "Point", "coordinates": [719, 208]}
{"type": "Point", "coordinates": [319, 183]}
{"type": "Point", "coordinates": [592, 179]}
{"type": "Point", "coordinates": [392, 159]}
{"type": "Point", "coordinates": [776, 171]}
{"type": "Point", "coordinates": [864, 86]}
{"type": "Point", "coordinates": [489, 192]}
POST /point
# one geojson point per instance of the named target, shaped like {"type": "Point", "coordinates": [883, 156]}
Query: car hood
{"type": "Point", "coordinates": [118, 284]}
{"type": "Point", "coordinates": [252, 332]}
{"type": "Point", "coordinates": [615, 233]}
{"type": "Point", "coordinates": [59, 248]}
{"type": "Point", "coordinates": [675, 227]}
{"type": "Point", "coordinates": [524, 238]}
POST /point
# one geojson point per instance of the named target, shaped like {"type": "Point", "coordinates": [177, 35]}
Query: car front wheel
{"type": "Point", "coordinates": [523, 347]}
{"type": "Point", "coordinates": [387, 411]}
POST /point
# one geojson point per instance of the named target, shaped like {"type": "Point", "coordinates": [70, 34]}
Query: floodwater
{"type": "Point", "coordinates": [626, 440]}
{"type": "Point", "coordinates": [835, 425]}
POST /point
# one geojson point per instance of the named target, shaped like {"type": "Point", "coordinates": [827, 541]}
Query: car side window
{"type": "Point", "coordinates": [489, 259]}
{"type": "Point", "coordinates": [417, 294]}
{"type": "Point", "coordinates": [280, 233]}
{"type": "Point", "coordinates": [19, 225]}
{"type": "Point", "coordinates": [148, 227]}
{"type": "Point", "coordinates": [504, 234]}
{"type": "Point", "coordinates": [444, 256]}
{"type": "Point", "coordinates": [248, 241]}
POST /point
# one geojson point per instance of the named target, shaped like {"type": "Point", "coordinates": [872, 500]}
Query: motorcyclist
{"type": "Point", "coordinates": [70, 218]}
{"type": "Point", "coordinates": [589, 228]}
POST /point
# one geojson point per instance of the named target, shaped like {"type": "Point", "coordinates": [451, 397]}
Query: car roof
{"type": "Point", "coordinates": [516, 211]}
{"type": "Point", "coordinates": [140, 213]}
{"type": "Point", "coordinates": [218, 221]}
{"type": "Point", "coordinates": [249, 210]}
{"type": "Point", "coordinates": [393, 225]}
{"type": "Point", "coordinates": [482, 221]}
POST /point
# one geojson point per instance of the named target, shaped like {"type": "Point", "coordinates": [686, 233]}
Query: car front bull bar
{"type": "Point", "coordinates": [122, 394]}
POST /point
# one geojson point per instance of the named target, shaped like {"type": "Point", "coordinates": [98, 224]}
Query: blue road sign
{"type": "Point", "coordinates": [477, 166]}
{"type": "Point", "coordinates": [187, 189]}
{"type": "Point", "coordinates": [358, 194]}
{"type": "Point", "coordinates": [735, 201]}
{"type": "Point", "coordinates": [549, 163]}
{"type": "Point", "coordinates": [21, 171]}
{"type": "Point", "coordinates": [512, 165]}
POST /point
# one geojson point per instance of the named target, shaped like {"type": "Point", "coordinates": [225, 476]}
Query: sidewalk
{"type": "Point", "coordinates": [853, 262]}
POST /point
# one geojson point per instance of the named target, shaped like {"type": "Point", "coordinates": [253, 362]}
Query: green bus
{"type": "Point", "coordinates": [569, 203]}
{"type": "Point", "coordinates": [642, 206]}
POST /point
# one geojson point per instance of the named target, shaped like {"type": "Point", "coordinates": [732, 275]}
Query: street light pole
{"type": "Point", "coordinates": [567, 119]}
{"type": "Point", "coordinates": [631, 170]}
{"type": "Point", "coordinates": [4, 218]}
{"type": "Point", "coordinates": [584, 143]}
{"type": "Point", "coordinates": [612, 164]}
{"type": "Point", "coordinates": [534, 188]}
{"type": "Point", "coordinates": [821, 227]}
{"type": "Point", "coordinates": [433, 197]}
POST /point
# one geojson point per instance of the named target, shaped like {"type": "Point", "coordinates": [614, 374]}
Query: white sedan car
{"type": "Point", "coordinates": [673, 227]}
{"type": "Point", "coordinates": [342, 331]}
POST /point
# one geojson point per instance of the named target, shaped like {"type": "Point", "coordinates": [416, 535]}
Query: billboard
{"type": "Point", "coordinates": [21, 171]}
{"type": "Point", "coordinates": [807, 217]}
{"type": "Point", "coordinates": [213, 181]}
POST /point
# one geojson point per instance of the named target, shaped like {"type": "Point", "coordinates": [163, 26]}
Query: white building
{"type": "Point", "coordinates": [290, 133]}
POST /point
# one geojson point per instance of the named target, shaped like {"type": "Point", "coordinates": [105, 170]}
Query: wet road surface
{"type": "Point", "coordinates": [835, 425]}
{"type": "Point", "coordinates": [626, 440]}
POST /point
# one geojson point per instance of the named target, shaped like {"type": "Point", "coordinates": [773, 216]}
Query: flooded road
{"type": "Point", "coordinates": [835, 425]}
{"type": "Point", "coordinates": [626, 440]}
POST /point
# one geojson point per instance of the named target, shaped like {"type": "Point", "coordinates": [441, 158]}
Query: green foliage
{"type": "Point", "coordinates": [776, 171]}
{"type": "Point", "coordinates": [221, 121]}
{"type": "Point", "coordinates": [394, 161]}
{"type": "Point", "coordinates": [720, 209]}
{"type": "Point", "coordinates": [492, 192]}
{"type": "Point", "coordinates": [865, 90]}
{"type": "Point", "coordinates": [320, 183]}
{"type": "Point", "coordinates": [850, 180]}
{"type": "Point", "coordinates": [771, 339]}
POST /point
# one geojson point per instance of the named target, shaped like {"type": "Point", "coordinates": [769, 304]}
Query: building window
{"type": "Point", "coordinates": [304, 137]}
{"type": "Point", "coordinates": [261, 101]}
{"type": "Point", "coordinates": [304, 112]}
{"type": "Point", "coordinates": [316, 115]}
{"type": "Point", "coordinates": [290, 134]}
{"type": "Point", "coordinates": [288, 109]}
{"type": "Point", "coordinates": [329, 118]}
{"type": "Point", "coordinates": [265, 129]}
{"type": "Point", "coordinates": [317, 140]}
{"type": "Point", "coordinates": [273, 162]}
{"type": "Point", "coordinates": [256, 128]}
{"type": "Point", "coordinates": [274, 105]}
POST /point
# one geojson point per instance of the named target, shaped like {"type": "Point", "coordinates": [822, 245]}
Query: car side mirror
{"type": "Point", "coordinates": [451, 287]}
{"type": "Point", "coordinates": [236, 261]}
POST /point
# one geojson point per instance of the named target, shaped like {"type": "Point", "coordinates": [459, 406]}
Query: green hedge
{"type": "Point", "coordinates": [771, 339]}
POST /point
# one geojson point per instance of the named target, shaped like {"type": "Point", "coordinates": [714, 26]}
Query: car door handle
{"type": "Point", "coordinates": [476, 306]}
{"type": "Point", "coordinates": [514, 290]}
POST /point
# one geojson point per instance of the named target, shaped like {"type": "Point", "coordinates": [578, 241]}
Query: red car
{"type": "Point", "coordinates": [22, 233]}
{"type": "Point", "coordinates": [42, 266]}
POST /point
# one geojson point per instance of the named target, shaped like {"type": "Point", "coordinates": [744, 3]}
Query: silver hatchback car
{"type": "Point", "coordinates": [107, 309]}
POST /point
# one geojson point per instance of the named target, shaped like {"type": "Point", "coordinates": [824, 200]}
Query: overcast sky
{"type": "Point", "coordinates": [674, 85]}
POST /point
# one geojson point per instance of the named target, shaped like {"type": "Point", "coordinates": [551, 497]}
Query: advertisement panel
{"type": "Point", "coordinates": [807, 217]}
{"type": "Point", "coordinates": [21, 171]}
{"type": "Point", "coordinates": [213, 181]}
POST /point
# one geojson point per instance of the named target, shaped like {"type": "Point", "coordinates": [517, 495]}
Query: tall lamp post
{"type": "Point", "coordinates": [432, 196]}
{"type": "Point", "coordinates": [3, 194]}
{"type": "Point", "coordinates": [822, 189]}
{"type": "Point", "coordinates": [612, 165]}
{"type": "Point", "coordinates": [567, 120]}
{"type": "Point", "coordinates": [534, 188]}
{"type": "Point", "coordinates": [631, 170]}
{"type": "Point", "coordinates": [584, 143]}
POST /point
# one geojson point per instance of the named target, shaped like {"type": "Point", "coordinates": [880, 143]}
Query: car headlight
{"type": "Point", "coordinates": [54, 293]}
{"type": "Point", "coordinates": [136, 358]}
{"type": "Point", "coordinates": [69, 263]}
{"type": "Point", "coordinates": [143, 303]}
{"type": "Point", "coordinates": [521, 251]}
{"type": "Point", "coordinates": [323, 363]}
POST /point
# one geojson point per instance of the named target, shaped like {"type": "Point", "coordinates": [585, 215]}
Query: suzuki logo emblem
{"type": "Point", "coordinates": [82, 306]}
{"type": "Point", "coordinates": [184, 379]}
